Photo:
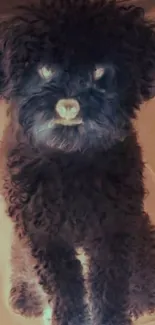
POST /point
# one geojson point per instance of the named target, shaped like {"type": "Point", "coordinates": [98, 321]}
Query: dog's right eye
{"type": "Point", "coordinates": [46, 73]}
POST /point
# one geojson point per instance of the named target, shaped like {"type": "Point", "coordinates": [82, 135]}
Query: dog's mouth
{"type": "Point", "coordinates": [58, 133]}
{"type": "Point", "coordinates": [59, 122]}
{"type": "Point", "coordinates": [67, 122]}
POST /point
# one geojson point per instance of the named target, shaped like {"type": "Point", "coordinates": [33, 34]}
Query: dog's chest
{"type": "Point", "coordinates": [59, 195]}
{"type": "Point", "coordinates": [71, 195]}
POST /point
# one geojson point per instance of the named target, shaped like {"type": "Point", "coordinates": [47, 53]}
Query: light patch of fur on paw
{"type": "Point", "coordinates": [84, 260]}
{"type": "Point", "coordinates": [47, 316]}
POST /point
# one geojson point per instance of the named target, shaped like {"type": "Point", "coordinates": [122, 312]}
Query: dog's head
{"type": "Point", "coordinates": [77, 70]}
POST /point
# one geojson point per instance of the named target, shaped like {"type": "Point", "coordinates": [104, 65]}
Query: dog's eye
{"type": "Point", "coordinates": [46, 73]}
{"type": "Point", "coordinates": [98, 73]}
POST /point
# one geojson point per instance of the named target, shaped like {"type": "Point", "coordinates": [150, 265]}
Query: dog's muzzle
{"type": "Point", "coordinates": [67, 112]}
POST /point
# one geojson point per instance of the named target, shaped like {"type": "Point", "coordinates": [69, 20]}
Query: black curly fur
{"type": "Point", "coordinates": [71, 187]}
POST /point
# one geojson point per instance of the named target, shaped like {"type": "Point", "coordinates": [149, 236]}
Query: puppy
{"type": "Point", "coordinates": [75, 73]}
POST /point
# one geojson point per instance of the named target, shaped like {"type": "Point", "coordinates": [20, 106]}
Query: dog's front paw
{"type": "Point", "coordinates": [25, 302]}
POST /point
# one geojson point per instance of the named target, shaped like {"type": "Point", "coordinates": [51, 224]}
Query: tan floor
{"type": "Point", "coordinates": [146, 128]}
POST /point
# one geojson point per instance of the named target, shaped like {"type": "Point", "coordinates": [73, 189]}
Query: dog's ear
{"type": "Point", "coordinates": [142, 39]}
{"type": "Point", "coordinates": [134, 38]}
{"type": "Point", "coordinates": [147, 60]}
{"type": "Point", "coordinates": [14, 40]}
{"type": "Point", "coordinates": [6, 30]}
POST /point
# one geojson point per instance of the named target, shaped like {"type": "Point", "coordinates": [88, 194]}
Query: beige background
{"type": "Point", "coordinates": [146, 130]}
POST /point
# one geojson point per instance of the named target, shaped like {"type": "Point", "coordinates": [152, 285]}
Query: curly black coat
{"type": "Point", "coordinates": [79, 186]}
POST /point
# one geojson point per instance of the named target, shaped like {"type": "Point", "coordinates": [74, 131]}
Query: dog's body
{"type": "Point", "coordinates": [96, 203]}
{"type": "Point", "coordinates": [74, 172]}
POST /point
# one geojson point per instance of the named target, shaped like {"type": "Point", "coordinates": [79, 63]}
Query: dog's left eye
{"type": "Point", "coordinates": [46, 73]}
{"type": "Point", "coordinates": [98, 73]}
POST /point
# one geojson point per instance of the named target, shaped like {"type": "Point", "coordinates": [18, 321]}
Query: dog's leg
{"type": "Point", "coordinates": [108, 279]}
{"type": "Point", "coordinates": [26, 297]}
{"type": "Point", "coordinates": [61, 276]}
{"type": "Point", "coordinates": [142, 281]}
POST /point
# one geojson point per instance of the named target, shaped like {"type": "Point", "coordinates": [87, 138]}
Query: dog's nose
{"type": "Point", "coordinates": [67, 109]}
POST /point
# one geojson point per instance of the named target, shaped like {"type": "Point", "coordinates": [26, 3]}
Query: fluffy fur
{"type": "Point", "coordinates": [78, 187]}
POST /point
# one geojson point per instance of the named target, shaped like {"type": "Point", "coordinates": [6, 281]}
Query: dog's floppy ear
{"type": "Point", "coordinates": [144, 35]}
{"type": "Point", "coordinates": [135, 38]}
{"type": "Point", "coordinates": [14, 40]}
{"type": "Point", "coordinates": [147, 61]}
{"type": "Point", "coordinates": [6, 24]}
